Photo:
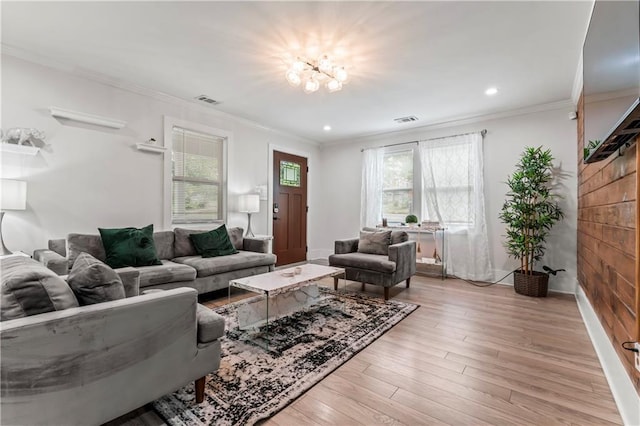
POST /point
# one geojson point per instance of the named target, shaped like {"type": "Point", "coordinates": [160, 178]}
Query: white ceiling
{"type": "Point", "coordinates": [433, 60]}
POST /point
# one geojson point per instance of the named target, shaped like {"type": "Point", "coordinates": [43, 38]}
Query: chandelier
{"type": "Point", "coordinates": [312, 73]}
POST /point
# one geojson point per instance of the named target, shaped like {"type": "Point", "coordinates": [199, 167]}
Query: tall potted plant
{"type": "Point", "coordinates": [529, 212]}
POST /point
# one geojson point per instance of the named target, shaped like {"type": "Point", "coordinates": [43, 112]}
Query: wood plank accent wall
{"type": "Point", "coordinates": [607, 243]}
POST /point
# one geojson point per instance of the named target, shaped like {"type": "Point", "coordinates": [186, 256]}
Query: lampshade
{"type": "Point", "coordinates": [249, 203]}
{"type": "Point", "coordinates": [13, 195]}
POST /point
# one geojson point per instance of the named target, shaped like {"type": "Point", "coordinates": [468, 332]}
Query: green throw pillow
{"type": "Point", "coordinates": [129, 247]}
{"type": "Point", "coordinates": [213, 243]}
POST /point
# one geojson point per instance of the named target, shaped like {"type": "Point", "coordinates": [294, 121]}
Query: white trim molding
{"type": "Point", "coordinates": [624, 393]}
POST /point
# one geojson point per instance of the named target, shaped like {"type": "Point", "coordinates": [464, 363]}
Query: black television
{"type": "Point", "coordinates": [611, 77]}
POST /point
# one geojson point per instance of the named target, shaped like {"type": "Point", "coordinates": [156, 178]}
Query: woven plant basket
{"type": "Point", "coordinates": [534, 285]}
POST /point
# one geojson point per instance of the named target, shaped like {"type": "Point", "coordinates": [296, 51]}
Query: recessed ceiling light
{"type": "Point", "coordinates": [491, 91]}
{"type": "Point", "coordinates": [326, 128]}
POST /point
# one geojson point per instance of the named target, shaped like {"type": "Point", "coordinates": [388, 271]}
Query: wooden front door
{"type": "Point", "coordinates": [289, 208]}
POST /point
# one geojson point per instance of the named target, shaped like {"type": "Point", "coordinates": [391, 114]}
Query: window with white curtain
{"type": "Point", "coordinates": [398, 185]}
{"type": "Point", "coordinates": [448, 173]}
{"type": "Point", "coordinates": [443, 183]}
{"type": "Point", "coordinates": [197, 166]}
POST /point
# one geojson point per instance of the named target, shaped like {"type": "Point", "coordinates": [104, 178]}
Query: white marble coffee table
{"type": "Point", "coordinates": [285, 293]}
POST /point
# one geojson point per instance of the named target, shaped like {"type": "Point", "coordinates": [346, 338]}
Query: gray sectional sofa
{"type": "Point", "coordinates": [66, 364]}
{"type": "Point", "coordinates": [181, 265]}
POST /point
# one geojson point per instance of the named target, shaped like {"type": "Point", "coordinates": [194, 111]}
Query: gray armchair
{"type": "Point", "coordinates": [399, 264]}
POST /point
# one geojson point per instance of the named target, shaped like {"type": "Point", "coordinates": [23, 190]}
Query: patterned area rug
{"type": "Point", "coordinates": [253, 384]}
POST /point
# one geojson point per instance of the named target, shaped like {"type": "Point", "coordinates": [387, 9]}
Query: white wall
{"type": "Point", "coordinates": [89, 177]}
{"type": "Point", "coordinates": [503, 144]}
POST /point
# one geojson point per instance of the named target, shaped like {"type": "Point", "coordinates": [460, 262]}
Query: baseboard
{"type": "Point", "coordinates": [624, 393]}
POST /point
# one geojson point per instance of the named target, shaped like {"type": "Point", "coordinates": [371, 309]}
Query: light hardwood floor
{"type": "Point", "coordinates": [468, 355]}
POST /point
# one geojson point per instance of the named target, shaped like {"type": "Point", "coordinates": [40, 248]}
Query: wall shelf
{"type": "Point", "coordinates": [151, 148]}
{"type": "Point", "coordinates": [87, 118]}
{"type": "Point", "coordinates": [14, 148]}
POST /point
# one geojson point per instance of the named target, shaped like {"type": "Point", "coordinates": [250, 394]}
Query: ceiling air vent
{"type": "Point", "coordinates": [205, 98]}
{"type": "Point", "coordinates": [408, 119]}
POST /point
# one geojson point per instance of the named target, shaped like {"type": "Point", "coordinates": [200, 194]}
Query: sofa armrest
{"type": "Point", "coordinates": [52, 260]}
{"type": "Point", "coordinates": [91, 351]}
{"type": "Point", "coordinates": [210, 325]}
{"type": "Point", "coordinates": [257, 245]}
{"type": "Point", "coordinates": [130, 279]}
{"type": "Point", "coordinates": [346, 246]}
{"type": "Point", "coordinates": [404, 255]}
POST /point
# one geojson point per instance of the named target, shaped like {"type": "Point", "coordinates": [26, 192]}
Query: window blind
{"type": "Point", "coordinates": [197, 172]}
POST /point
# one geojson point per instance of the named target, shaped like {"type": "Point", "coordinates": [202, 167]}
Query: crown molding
{"type": "Point", "coordinates": [460, 121]}
{"type": "Point", "coordinates": [137, 89]}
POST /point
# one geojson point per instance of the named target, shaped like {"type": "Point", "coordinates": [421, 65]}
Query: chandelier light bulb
{"type": "Point", "coordinates": [298, 66]}
{"type": "Point", "coordinates": [334, 85]}
{"type": "Point", "coordinates": [293, 78]}
{"type": "Point", "coordinates": [324, 64]}
{"type": "Point", "coordinates": [311, 85]}
{"type": "Point", "coordinates": [340, 74]}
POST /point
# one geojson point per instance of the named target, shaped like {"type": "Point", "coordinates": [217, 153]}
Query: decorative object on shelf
{"type": "Point", "coordinates": [249, 203]}
{"type": "Point", "coordinates": [82, 117]}
{"type": "Point", "coordinates": [529, 213]}
{"type": "Point", "coordinates": [22, 140]}
{"type": "Point", "coordinates": [13, 197]}
{"type": "Point", "coordinates": [311, 73]}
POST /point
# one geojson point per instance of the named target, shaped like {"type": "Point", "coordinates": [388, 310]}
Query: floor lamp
{"type": "Point", "coordinates": [12, 197]}
{"type": "Point", "coordinates": [249, 203]}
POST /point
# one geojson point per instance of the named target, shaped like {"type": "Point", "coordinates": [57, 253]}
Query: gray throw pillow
{"type": "Point", "coordinates": [94, 282]}
{"type": "Point", "coordinates": [397, 237]}
{"type": "Point", "coordinates": [374, 242]}
{"type": "Point", "coordinates": [235, 235]}
{"type": "Point", "coordinates": [29, 288]}
{"type": "Point", "coordinates": [182, 245]}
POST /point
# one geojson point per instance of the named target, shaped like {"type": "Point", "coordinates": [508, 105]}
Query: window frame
{"type": "Point", "coordinates": [417, 182]}
{"type": "Point", "coordinates": [169, 124]}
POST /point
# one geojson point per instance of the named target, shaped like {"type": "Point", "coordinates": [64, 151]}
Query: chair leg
{"type": "Point", "coordinates": [200, 389]}
{"type": "Point", "coordinates": [335, 283]}
{"type": "Point", "coordinates": [408, 281]}
{"type": "Point", "coordinates": [386, 293]}
{"type": "Point", "coordinates": [362, 287]}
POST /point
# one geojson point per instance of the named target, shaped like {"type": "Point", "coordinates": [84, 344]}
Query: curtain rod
{"type": "Point", "coordinates": [483, 132]}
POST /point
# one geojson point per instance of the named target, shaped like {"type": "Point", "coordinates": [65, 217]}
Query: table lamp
{"type": "Point", "coordinates": [249, 203]}
{"type": "Point", "coordinates": [13, 196]}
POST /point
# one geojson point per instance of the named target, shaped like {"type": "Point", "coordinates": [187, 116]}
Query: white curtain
{"type": "Point", "coordinates": [371, 192]}
{"type": "Point", "coordinates": [453, 194]}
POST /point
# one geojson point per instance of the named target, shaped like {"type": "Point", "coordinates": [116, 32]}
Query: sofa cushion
{"type": "Point", "coordinates": [371, 262]}
{"type": "Point", "coordinates": [235, 235]}
{"type": "Point", "coordinates": [213, 243]}
{"type": "Point", "coordinates": [210, 324]}
{"type": "Point", "coordinates": [94, 282]}
{"type": "Point", "coordinates": [163, 241]}
{"type": "Point", "coordinates": [168, 272]}
{"type": "Point", "coordinates": [129, 246]}
{"type": "Point", "coordinates": [218, 265]}
{"type": "Point", "coordinates": [29, 288]}
{"type": "Point", "coordinates": [397, 237]}
{"type": "Point", "coordinates": [374, 242]}
{"type": "Point", "coordinates": [182, 245]}
{"type": "Point", "coordinates": [85, 243]}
